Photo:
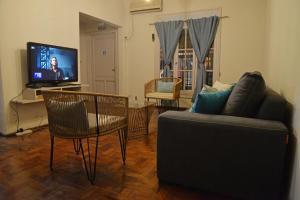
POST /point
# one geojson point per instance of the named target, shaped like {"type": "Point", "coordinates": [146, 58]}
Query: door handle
{"type": "Point", "coordinates": [113, 70]}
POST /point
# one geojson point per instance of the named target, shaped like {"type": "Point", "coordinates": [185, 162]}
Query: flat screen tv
{"type": "Point", "coordinates": [51, 64]}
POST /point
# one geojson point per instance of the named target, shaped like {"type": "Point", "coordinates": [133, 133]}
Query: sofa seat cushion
{"type": "Point", "coordinates": [106, 123]}
{"type": "Point", "coordinates": [160, 95]}
{"type": "Point", "coordinates": [246, 96]}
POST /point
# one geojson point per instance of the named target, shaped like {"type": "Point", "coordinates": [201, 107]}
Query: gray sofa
{"type": "Point", "coordinates": [242, 157]}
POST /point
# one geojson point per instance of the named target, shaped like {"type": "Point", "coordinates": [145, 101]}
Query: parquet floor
{"type": "Point", "coordinates": [25, 174]}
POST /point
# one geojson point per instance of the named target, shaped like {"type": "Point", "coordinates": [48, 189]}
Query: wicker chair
{"type": "Point", "coordinates": [78, 116]}
{"type": "Point", "coordinates": [152, 90]}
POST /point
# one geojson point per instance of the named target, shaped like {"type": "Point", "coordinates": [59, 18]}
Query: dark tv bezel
{"type": "Point", "coordinates": [29, 64]}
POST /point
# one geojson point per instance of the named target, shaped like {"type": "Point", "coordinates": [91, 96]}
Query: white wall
{"type": "Point", "coordinates": [283, 64]}
{"type": "Point", "coordinates": [48, 21]}
{"type": "Point", "coordinates": [242, 39]}
{"type": "Point", "coordinates": [1, 100]}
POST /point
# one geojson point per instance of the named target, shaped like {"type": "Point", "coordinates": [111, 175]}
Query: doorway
{"type": "Point", "coordinates": [98, 55]}
{"type": "Point", "coordinates": [103, 48]}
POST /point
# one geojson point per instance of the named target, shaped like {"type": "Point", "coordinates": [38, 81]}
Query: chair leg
{"type": "Point", "coordinates": [51, 152]}
{"type": "Point", "coordinates": [90, 167]}
{"type": "Point", "coordinates": [123, 140]}
{"type": "Point", "coordinates": [76, 146]}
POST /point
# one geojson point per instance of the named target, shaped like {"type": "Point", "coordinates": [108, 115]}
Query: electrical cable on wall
{"type": "Point", "coordinates": [38, 127]}
{"type": "Point", "coordinates": [131, 34]}
{"type": "Point", "coordinates": [15, 109]}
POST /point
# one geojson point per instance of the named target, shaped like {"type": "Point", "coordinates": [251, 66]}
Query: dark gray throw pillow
{"type": "Point", "coordinates": [273, 107]}
{"type": "Point", "coordinates": [246, 96]}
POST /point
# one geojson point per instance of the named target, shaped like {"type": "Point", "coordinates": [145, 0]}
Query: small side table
{"type": "Point", "coordinates": [139, 118]}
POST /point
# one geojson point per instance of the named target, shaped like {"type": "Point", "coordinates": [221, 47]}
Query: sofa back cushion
{"type": "Point", "coordinates": [221, 86]}
{"type": "Point", "coordinates": [273, 107]}
{"type": "Point", "coordinates": [165, 87]}
{"type": "Point", "coordinates": [246, 96]}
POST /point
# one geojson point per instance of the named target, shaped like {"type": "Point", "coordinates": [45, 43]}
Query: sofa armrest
{"type": "Point", "coordinates": [243, 157]}
{"type": "Point", "coordinates": [224, 121]}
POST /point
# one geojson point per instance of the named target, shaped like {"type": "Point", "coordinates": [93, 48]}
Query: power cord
{"type": "Point", "coordinates": [131, 34]}
{"type": "Point", "coordinates": [15, 109]}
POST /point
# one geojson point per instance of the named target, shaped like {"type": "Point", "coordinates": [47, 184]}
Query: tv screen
{"type": "Point", "coordinates": [51, 64]}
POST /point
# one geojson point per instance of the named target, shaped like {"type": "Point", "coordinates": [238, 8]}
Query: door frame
{"type": "Point", "coordinates": [116, 52]}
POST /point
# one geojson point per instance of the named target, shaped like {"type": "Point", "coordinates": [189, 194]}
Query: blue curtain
{"type": "Point", "coordinates": [202, 33]}
{"type": "Point", "coordinates": [168, 33]}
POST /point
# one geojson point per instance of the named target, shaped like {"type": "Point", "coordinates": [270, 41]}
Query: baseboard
{"type": "Point", "coordinates": [8, 134]}
{"type": "Point", "coordinates": [34, 129]}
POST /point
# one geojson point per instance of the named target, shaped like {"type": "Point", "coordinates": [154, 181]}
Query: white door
{"type": "Point", "coordinates": [104, 63]}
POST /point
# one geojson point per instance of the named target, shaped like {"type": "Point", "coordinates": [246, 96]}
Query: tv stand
{"type": "Point", "coordinates": [46, 85]}
{"type": "Point", "coordinates": [62, 84]}
{"type": "Point", "coordinates": [33, 95]}
{"type": "Point", "coordinates": [34, 85]}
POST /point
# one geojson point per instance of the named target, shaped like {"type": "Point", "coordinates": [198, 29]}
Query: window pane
{"type": "Point", "coordinates": [209, 78]}
{"type": "Point", "coordinates": [186, 77]}
{"type": "Point", "coordinates": [181, 59]}
{"type": "Point", "coordinates": [189, 60]}
{"type": "Point", "coordinates": [171, 73]}
{"type": "Point", "coordinates": [161, 66]}
{"type": "Point", "coordinates": [209, 60]}
{"type": "Point", "coordinates": [171, 67]}
{"type": "Point", "coordinates": [182, 40]}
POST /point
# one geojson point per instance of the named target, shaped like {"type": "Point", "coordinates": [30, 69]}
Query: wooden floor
{"type": "Point", "coordinates": [25, 174]}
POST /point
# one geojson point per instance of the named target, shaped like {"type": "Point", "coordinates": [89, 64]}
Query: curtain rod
{"type": "Point", "coordinates": [222, 17]}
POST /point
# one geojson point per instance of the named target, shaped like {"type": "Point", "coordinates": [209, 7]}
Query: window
{"type": "Point", "coordinates": [209, 67]}
{"type": "Point", "coordinates": [184, 60]}
{"type": "Point", "coordinates": [185, 63]}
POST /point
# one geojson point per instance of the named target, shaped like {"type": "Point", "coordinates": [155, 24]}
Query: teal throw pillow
{"type": "Point", "coordinates": [164, 87]}
{"type": "Point", "coordinates": [210, 102]}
